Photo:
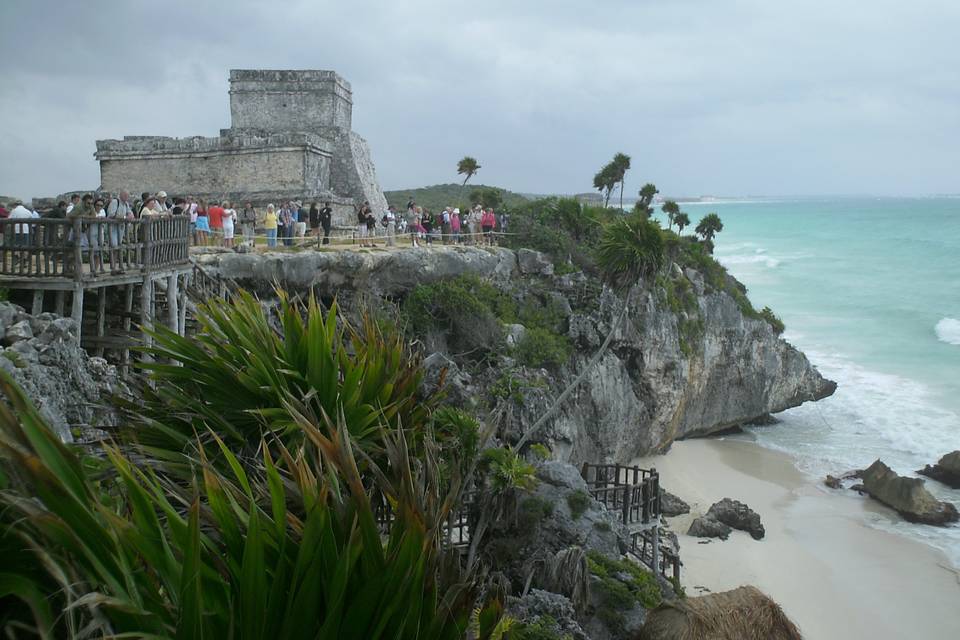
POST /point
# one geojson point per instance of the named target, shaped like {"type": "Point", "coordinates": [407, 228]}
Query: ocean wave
{"type": "Point", "coordinates": [948, 330]}
{"type": "Point", "coordinates": [756, 258]}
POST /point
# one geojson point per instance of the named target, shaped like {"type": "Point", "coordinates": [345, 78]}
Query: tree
{"type": "Point", "coordinates": [670, 208]}
{"type": "Point", "coordinates": [621, 164]}
{"type": "Point", "coordinates": [646, 194]}
{"type": "Point", "coordinates": [682, 220]}
{"type": "Point", "coordinates": [487, 197]}
{"type": "Point", "coordinates": [709, 226]}
{"type": "Point", "coordinates": [605, 181]}
{"type": "Point", "coordinates": [468, 168]}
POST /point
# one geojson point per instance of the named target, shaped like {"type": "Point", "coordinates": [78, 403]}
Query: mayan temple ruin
{"type": "Point", "coordinates": [290, 138]}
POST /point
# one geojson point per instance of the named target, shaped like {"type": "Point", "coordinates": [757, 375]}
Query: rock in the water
{"type": "Point", "coordinates": [833, 482]}
{"type": "Point", "coordinates": [947, 470]}
{"type": "Point", "coordinates": [737, 515]}
{"type": "Point", "coordinates": [707, 527]}
{"type": "Point", "coordinates": [907, 496]}
{"type": "Point", "coordinates": [671, 505]}
{"type": "Point", "coordinates": [533, 262]}
{"type": "Point", "coordinates": [17, 332]}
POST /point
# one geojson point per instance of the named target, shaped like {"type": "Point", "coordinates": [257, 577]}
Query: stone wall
{"type": "Point", "coordinates": [289, 100]}
{"type": "Point", "coordinates": [351, 170]}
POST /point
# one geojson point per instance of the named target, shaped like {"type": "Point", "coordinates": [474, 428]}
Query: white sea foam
{"type": "Point", "coordinates": [948, 330]}
{"type": "Point", "coordinates": [756, 258]}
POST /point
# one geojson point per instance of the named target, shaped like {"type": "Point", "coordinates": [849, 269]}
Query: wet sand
{"type": "Point", "coordinates": [834, 575]}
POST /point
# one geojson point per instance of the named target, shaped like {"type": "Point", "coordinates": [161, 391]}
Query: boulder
{"type": "Point", "coordinates": [515, 333]}
{"type": "Point", "coordinates": [708, 527]}
{"type": "Point", "coordinates": [833, 482]}
{"type": "Point", "coordinates": [947, 470]}
{"type": "Point", "coordinates": [737, 515]}
{"type": "Point", "coordinates": [8, 314]}
{"type": "Point", "coordinates": [18, 331]}
{"type": "Point", "coordinates": [907, 496]}
{"type": "Point", "coordinates": [671, 505]}
{"type": "Point", "coordinates": [533, 262]}
{"type": "Point", "coordinates": [547, 609]}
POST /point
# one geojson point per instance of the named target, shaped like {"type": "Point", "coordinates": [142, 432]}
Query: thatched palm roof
{"type": "Point", "coordinates": [745, 613]}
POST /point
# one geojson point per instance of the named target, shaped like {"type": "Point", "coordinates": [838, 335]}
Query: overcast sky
{"type": "Point", "coordinates": [725, 97]}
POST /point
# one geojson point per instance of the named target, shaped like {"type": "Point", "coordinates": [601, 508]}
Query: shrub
{"type": "Point", "coordinates": [578, 501]}
{"type": "Point", "coordinates": [540, 451]}
{"type": "Point", "coordinates": [773, 320]}
{"type": "Point", "coordinates": [542, 348]}
{"type": "Point", "coordinates": [642, 585]}
{"type": "Point", "coordinates": [629, 250]}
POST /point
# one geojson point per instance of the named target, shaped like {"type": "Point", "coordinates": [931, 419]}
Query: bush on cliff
{"type": "Point", "coordinates": [629, 250]}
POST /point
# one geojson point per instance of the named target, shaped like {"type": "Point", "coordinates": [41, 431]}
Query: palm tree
{"type": "Point", "coordinates": [709, 226]}
{"type": "Point", "coordinates": [468, 168]}
{"type": "Point", "coordinates": [647, 194]}
{"type": "Point", "coordinates": [670, 208]}
{"type": "Point", "coordinates": [621, 164]}
{"type": "Point", "coordinates": [682, 220]}
{"type": "Point", "coordinates": [605, 181]}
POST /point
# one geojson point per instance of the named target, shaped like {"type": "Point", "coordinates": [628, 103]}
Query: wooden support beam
{"type": "Point", "coordinates": [173, 300]}
{"type": "Point", "coordinates": [146, 309]}
{"type": "Point", "coordinates": [128, 314]}
{"type": "Point", "coordinates": [101, 316]}
{"type": "Point", "coordinates": [59, 302]}
{"type": "Point", "coordinates": [182, 321]}
{"type": "Point", "coordinates": [37, 308]}
{"type": "Point", "coordinates": [77, 310]}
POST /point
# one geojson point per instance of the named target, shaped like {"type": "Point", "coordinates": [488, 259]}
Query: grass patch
{"type": "Point", "coordinates": [773, 320]}
{"type": "Point", "coordinates": [545, 628]}
{"type": "Point", "coordinates": [639, 587]}
{"type": "Point", "coordinates": [578, 501]}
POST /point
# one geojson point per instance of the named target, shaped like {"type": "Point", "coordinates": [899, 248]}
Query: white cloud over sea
{"type": "Point", "coordinates": [733, 97]}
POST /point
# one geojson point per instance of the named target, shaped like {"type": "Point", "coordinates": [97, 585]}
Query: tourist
{"type": "Point", "coordinates": [416, 227]}
{"type": "Point", "coordinates": [270, 221]}
{"type": "Point", "coordinates": [314, 218]}
{"type": "Point", "coordinates": [455, 225]}
{"type": "Point", "coordinates": [215, 220]}
{"type": "Point", "coordinates": [445, 230]}
{"type": "Point", "coordinates": [301, 220]}
{"type": "Point", "coordinates": [203, 223]}
{"type": "Point", "coordinates": [162, 205]}
{"type": "Point", "coordinates": [59, 212]}
{"type": "Point", "coordinates": [179, 207]}
{"type": "Point", "coordinates": [151, 208]}
{"type": "Point", "coordinates": [390, 225]}
{"type": "Point", "coordinates": [21, 237]}
{"type": "Point", "coordinates": [191, 210]}
{"type": "Point", "coordinates": [74, 201]}
{"type": "Point", "coordinates": [138, 205]}
{"type": "Point", "coordinates": [287, 221]}
{"type": "Point", "coordinates": [4, 212]}
{"type": "Point", "coordinates": [326, 221]}
{"type": "Point", "coordinates": [361, 232]}
{"type": "Point", "coordinates": [119, 209]}
{"type": "Point", "coordinates": [95, 238]}
{"type": "Point", "coordinates": [371, 223]}
{"type": "Point", "coordinates": [487, 223]}
{"type": "Point", "coordinates": [248, 223]}
{"type": "Point", "coordinates": [411, 208]}
{"type": "Point", "coordinates": [227, 221]}
{"type": "Point", "coordinates": [426, 221]}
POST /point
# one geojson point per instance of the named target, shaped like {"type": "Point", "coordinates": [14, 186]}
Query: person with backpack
{"type": "Point", "coordinates": [371, 221]}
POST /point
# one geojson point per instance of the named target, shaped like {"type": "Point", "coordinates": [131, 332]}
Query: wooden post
{"type": "Point", "coordinates": [182, 322]}
{"type": "Point", "coordinates": [59, 302]}
{"type": "Point", "coordinates": [128, 308]}
{"type": "Point", "coordinates": [626, 505]}
{"type": "Point", "coordinates": [146, 303]}
{"type": "Point", "coordinates": [655, 547]}
{"type": "Point", "coordinates": [101, 317]}
{"type": "Point", "coordinates": [37, 307]}
{"type": "Point", "coordinates": [77, 310]}
{"type": "Point", "coordinates": [173, 299]}
{"type": "Point", "coordinates": [77, 252]}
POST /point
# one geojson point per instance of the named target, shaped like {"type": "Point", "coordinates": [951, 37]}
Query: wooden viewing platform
{"type": "Point", "coordinates": [80, 254]}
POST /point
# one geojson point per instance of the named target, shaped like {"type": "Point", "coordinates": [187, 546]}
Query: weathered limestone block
{"type": "Point", "coordinates": [907, 496]}
{"type": "Point", "coordinates": [947, 470]}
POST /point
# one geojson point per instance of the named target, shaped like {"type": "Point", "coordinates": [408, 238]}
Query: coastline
{"type": "Point", "coordinates": [834, 575]}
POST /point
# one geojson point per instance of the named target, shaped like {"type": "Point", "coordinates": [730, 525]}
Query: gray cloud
{"type": "Point", "coordinates": [725, 97]}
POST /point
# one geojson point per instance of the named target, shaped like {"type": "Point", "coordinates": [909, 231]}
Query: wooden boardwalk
{"type": "Point", "coordinates": [111, 259]}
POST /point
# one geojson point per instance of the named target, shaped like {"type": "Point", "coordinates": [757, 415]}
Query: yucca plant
{"type": "Point", "coordinates": [233, 376]}
{"type": "Point", "coordinates": [284, 548]}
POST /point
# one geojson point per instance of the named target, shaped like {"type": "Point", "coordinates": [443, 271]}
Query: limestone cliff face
{"type": "Point", "coordinates": [652, 386]}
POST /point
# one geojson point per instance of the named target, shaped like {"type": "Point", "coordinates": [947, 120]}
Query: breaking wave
{"type": "Point", "coordinates": [948, 330]}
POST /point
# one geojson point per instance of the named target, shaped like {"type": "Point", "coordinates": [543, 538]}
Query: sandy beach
{"type": "Point", "coordinates": [835, 576]}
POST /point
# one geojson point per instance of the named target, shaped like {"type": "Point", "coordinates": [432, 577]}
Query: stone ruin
{"type": "Point", "coordinates": [290, 138]}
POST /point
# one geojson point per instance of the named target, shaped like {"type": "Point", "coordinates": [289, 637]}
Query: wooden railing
{"type": "Point", "coordinates": [77, 248]}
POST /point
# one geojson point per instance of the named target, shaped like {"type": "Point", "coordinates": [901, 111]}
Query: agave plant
{"type": "Point", "coordinates": [234, 375]}
{"type": "Point", "coordinates": [284, 548]}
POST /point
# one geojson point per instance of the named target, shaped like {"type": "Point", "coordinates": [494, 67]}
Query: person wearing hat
{"type": "Point", "coordinates": [162, 204]}
{"type": "Point", "coordinates": [150, 207]}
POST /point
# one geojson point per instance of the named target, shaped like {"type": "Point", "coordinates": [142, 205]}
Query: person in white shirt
{"type": "Point", "coordinates": [390, 222]}
{"type": "Point", "coordinates": [229, 218]}
{"type": "Point", "coordinates": [74, 201]}
{"type": "Point", "coordinates": [21, 237]}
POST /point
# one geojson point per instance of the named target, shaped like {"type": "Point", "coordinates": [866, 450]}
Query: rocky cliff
{"type": "Point", "coordinates": [668, 373]}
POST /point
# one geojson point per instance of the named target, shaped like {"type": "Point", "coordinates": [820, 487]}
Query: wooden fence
{"type": "Point", "coordinates": [80, 248]}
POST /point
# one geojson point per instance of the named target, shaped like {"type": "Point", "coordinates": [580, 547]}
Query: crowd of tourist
{"type": "Point", "coordinates": [219, 222]}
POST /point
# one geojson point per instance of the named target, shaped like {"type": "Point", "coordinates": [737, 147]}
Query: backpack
{"type": "Point", "coordinates": [362, 216]}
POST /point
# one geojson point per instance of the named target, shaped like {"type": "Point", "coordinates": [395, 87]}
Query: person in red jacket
{"type": "Point", "coordinates": [488, 222]}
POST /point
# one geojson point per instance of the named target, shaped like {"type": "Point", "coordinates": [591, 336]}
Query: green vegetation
{"type": "Point", "coordinates": [682, 220]}
{"type": "Point", "coordinates": [671, 209]}
{"type": "Point", "coordinates": [508, 387]}
{"type": "Point", "coordinates": [612, 174]}
{"type": "Point", "coordinates": [544, 628]}
{"type": "Point", "coordinates": [15, 358]}
{"type": "Point", "coordinates": [540, 451]}
{"type": "Point", "coordinates": [709, 226]}
{"type": "Point", "coordinates": [600, 525]}
{"type": "Point", "coordinates": [616, 594]}
{"type": "Point", "coordinates": [540, 347]}
{"type": "Point", "coordinates": [643, 206]}
{"type": "Point", "coordinates": [278, 515]}
{"type": "Point", "coordinates": [436, 197]}
{"type": "Point", "coordinates": [579, 502]}
{"type": "Point", "coordinates": [773, 320]}
{"type": "Point", "coordinates": [487, 197]}
{"type": "Point", "coordinates": [629, 250]}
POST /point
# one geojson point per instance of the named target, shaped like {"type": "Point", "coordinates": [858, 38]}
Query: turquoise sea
{"type": "Point", "coordinates": [869, 289]}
